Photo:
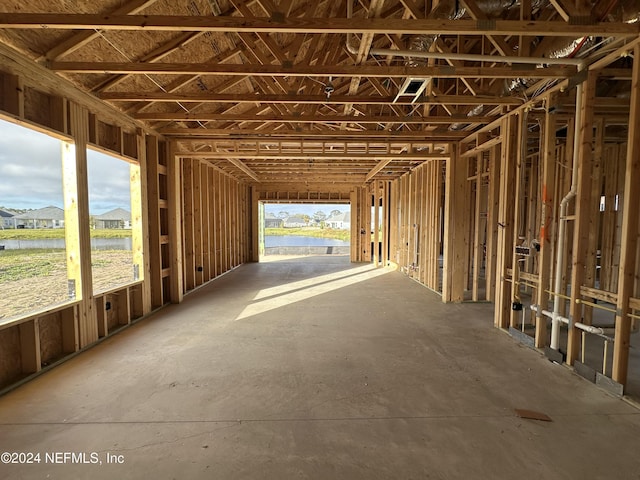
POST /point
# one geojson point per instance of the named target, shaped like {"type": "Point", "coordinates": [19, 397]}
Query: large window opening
{"type": "Point", "coordinates": [114, 199]}
{"type": "Point", "coordinates": [33, 260]}
{"type": "Point", "coordinates": [305, 229]}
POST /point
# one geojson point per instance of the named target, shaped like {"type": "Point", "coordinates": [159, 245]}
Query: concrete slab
{"type": "Point", "coordinates": [316, 368]}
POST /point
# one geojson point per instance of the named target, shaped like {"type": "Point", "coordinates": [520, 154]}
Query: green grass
{"type": "Point", "coordinates": [19, 264]}
{"type": "Point", "coordinates": [344, 235]}
{"type": "Point", "coordinates": [52, 233]}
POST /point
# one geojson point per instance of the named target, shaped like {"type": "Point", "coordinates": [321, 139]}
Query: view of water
{"type": "Point", "coordinates": [301, 241]}
{"type": "Point", "coordinates": [96, 243]}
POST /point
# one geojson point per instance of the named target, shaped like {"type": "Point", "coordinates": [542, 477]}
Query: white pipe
{"type": "Point", "coordinates": [549, 314]}
{"type": "Point", "coordinates": [471, 57]}
{"type": "Point", "coordinates": [589, 328]}
{"type": "Point", "coordinates": [562, 231]}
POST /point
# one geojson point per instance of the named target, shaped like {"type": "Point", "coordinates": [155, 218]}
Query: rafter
{"type": "Point", "coordinates": [81, 39]}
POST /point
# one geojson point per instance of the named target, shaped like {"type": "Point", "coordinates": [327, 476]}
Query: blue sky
{"type": "Point", "coordinates": [31, 173]}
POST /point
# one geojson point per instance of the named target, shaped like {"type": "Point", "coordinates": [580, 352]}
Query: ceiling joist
{"type": "Point", "coordinates": [387, 26]}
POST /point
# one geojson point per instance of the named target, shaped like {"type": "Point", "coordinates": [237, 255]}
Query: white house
{"type": "Point", "coordinates": [341, 221]}
{"type": "Point", "coordinates": [116, 218]}
{"type": "Point", "coordinates": [6, 218]}
{"type": "Point", "coordinates": [271, 221]}
{"type": "Point", "coordinates": [47, 217]}
{"type": "Point", "coordinates": [295, 221]}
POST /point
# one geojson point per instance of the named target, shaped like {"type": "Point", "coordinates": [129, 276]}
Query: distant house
{"type": "Point", "coordinates": [341, 221]}
{"type": "Point", "coordinates": [116, 218]}
{"type": "Point", "coordinates": [6, 218]}
{"type": "Point", "coordinates": [295, 221]}
{"type": "Point", "coordinates": [47, 217]}
{"type": "Point", "coordinates": [271, 221]}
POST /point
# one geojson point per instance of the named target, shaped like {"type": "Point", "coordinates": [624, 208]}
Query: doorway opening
{"type": "Point", "coordinates": [304, 229]}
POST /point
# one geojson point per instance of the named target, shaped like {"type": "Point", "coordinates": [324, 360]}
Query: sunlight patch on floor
{"type": "Point", "coordinates": [309, 282]}
{"type": "Point", "coordinates": [310, 288]}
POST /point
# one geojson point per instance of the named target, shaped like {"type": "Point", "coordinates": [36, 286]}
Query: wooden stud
{"type": "Point", "coordinates": [78, 242]}
{"type": "Point", "coordinates": [596, 220]}
{"type": "Point", "coordinates": [213, 201]}
{"type": "Point", "coordinates": [455, 228]}
{"type": "Point", "coordinates": [505, 222]}
{"type": "Point", "coordinates": [189, 272]}
{"type": "Point", "coordinates": [629, 237]}
{"type": "Point", "coordinates": [477, 243]}
{"type": "Point", "coordinates": [206, 222]}
{"type": "Point", "coordinates": [174, 181]}
{"type": "Point", "coordinates": [30, 346]}
{"type": "Point", "coordinates": [154, 256]}
{"type": "Point", "coordinates": [198, 250]}
{"type": "Point", "coordinates": [546, 224]}
{"type": "Point", "coordinates": [70, 339]}
{"type": "Point", "coordinates": [583, 220]}
{"type": "Point", "coordinates": [520, 157]}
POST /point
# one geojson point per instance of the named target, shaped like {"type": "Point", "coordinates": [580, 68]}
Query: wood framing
{"type": "Point", "coordinates": [450, 130]}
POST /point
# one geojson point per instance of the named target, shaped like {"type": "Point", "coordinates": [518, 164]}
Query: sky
{"type": "Point", "coordinates": [308, 209]}
{"type": "Point", "coordinates": [31, 176]}
{"type": "Point", "coordinates": [31, 173]}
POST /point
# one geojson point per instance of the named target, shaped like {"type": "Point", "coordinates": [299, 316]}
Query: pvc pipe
{"type": "Point", "coordinates": [562, 231]}
{"type": "Point", "coordinates": [549, 314]}
{"type": "Point", "coordinates": [589, 328]}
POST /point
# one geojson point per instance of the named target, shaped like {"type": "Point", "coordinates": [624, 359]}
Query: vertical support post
{"type": "Point", "coordinates": [629, 238]}
{"type": "Point", "coordinates": [385, 222]}
{"type": "Point", "coordinates": [594, 232]}
{"type": "Point", "coordinates": [520, 155]}
{"type": "Point", "coordinates": [546, 222]}
{"type": "Point", "coordinates": [376, 221]}
{"type": "Point", "coordinates": [502, 310]}
{"type": "Point", "coordinates": [140, 224]}
{"type": "Point", "coordinates": [477, 241]}
{"type": "Point", "coordinates": [583, 221]}
{"type": "Point", "coordinates": [174, 181]}
{"type": "Point", "coordinates": [257, 226]}
{"type": "Point", "coordinates": [154, 256]}
{"type": "Point", "coordinates": [456, 230]}
{"type": "Point", "coordinates": [188, 221]}
{"type": "Point", "coordinates": [493, 205]}
{"type": "Point", "coordinates": [198, 250]}
{"type": "Point", "coordinates": [76, 216]}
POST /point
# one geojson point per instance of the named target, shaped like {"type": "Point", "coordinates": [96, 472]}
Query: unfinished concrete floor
{"type": "Point", "coordinates": [317, 368]}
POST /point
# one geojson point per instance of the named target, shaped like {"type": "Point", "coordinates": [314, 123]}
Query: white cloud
{"type": "Point", "coordinates": [31, 173]}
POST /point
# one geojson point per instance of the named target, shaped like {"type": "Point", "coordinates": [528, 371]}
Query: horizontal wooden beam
{"type": "Point", "coordinates": [390, 26]}
{"type": "Point", "coordinates": [380, 71]}
{"type": "Point", "coordinates": [310, 99]}
{"type": "Point", "coordinates": [244, 168]}
{"type": "Point", "coordinates": [377, 169]}
{"type": "Point", "coordinates": [193, 134]}
{"type": "Point", "coordinates": [420, 156]}
{"type": "Point", "coordinates": [385, 119]}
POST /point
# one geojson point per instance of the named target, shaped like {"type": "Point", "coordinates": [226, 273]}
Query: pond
{"type": "Point", "coordinates": [301, 241]}
{"type": "Point", "coordinates": [53, 243]}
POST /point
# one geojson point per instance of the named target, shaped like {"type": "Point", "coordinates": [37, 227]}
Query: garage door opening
{"type": "Point", "coordinates": [304, 229]}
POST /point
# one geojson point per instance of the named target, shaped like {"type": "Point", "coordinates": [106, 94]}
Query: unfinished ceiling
{"type": "Point", "coordinates": [322, 93]}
